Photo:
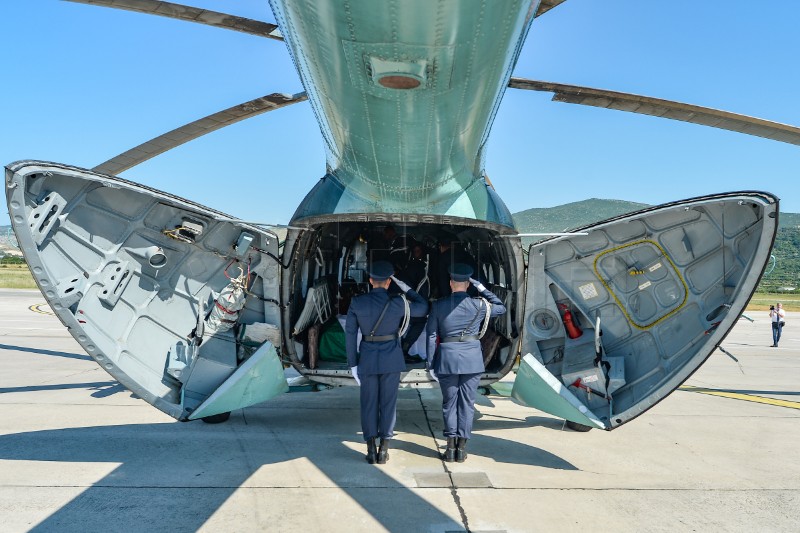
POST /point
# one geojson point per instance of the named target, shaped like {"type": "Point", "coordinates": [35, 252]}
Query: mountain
{"type": "Point", "coordinates": [788, 220]}
{"type": "Point", "coordinates": [7, 239]}
{"type": "Point", "coordinates": [573, 215]}
{"type": "Point", "coordinates": [576, 214]}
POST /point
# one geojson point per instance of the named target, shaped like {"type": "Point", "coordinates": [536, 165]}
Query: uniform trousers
{"type": "Point", "coordinates": [378, 404]}
{"type": "Point", "coordinates": [458, 403]}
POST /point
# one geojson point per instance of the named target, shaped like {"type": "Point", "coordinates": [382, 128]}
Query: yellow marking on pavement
{"type": "Point", "coordinates": [37, 308]}
{"type": "Point", "coordinates": [745, 397]}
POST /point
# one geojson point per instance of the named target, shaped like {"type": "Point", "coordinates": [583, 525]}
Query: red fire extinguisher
{"type": "Point", "coordinates": [573, 331]}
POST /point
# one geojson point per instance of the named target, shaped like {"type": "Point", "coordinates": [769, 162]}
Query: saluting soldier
{"type": "Point", "coordinates": [456, 321]}
{"type": "Point", "coordinates": [377, 367]}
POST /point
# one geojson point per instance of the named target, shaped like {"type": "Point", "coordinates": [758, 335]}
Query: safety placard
{"type": "Point", "coordinates": [588, 291]}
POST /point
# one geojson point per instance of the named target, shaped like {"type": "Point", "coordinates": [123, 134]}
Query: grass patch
{"type": "Point", "coordinates": [762, 300]}
{"type": "Point", "coordinates": [16, 277]}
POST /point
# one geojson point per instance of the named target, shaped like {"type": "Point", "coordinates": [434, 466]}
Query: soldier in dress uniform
{"type": "Point", "coordinates": [377, 367]}
{"type": "Point", "coordinates": [457, 363]}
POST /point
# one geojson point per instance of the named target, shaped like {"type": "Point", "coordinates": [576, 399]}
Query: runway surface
{"type": "Point", "coordinates": [79, 453]}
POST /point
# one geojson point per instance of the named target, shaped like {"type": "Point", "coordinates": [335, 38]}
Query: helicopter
{"type": "Point", "coordinates": [197, 312]}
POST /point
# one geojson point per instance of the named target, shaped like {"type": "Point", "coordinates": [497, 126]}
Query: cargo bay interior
{"type": "Point", "coordinates": [329, 268]}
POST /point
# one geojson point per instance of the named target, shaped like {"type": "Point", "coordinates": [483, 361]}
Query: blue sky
{"type": "Point", "coordinates": [82, 83]}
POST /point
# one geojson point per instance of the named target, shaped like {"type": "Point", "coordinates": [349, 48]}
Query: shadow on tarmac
{"type": "Point", "coordinates": [494, 422]}
{"type": "Point", "coordinates": [175, 476]}
{"type": "Point", "coordinates": [103, 386]}
{"type": "Point", "coordinates": [82, 357]}
{"type": "Point", "coordinates": [512, 452]}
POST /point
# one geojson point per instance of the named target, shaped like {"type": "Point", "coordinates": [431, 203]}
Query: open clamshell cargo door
{"type": "Point", "coordinates": [617, 319]}
{"type": "Point", "coordinates": [142, 280]}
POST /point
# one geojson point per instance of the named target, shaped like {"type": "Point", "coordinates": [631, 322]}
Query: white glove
{"type": "Point", "coordinates": [403, 286]}
{"type": "Point", "coordinates": [477, 284]}
{"type": "Point", "coordinates": [354, 371]}
{"type": "Point", "coordinates": [433, 375]}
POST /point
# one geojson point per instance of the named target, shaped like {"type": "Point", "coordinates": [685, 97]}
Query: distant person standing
{"type": "Point", "coordinates": [777, 315]}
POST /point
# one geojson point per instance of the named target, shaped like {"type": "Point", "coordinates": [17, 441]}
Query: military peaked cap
{"type": "Point", "coordinates": [460, 272]}
{"type": "Point", "coordinates": [381, 270]}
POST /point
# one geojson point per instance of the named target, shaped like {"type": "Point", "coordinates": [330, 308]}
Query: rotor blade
{"type": "Point", "coordinates": [547, 5]}
{"type": "Point", "coordinates": [646, 105]}
{"type": "Point", "coordinates": [192, 14]}
{"type": "Point", "coordinates": [222, 20]}
{"type": "Point", "coordinates": [196, 129]}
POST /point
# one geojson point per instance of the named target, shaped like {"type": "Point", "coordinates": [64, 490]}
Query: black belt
{"type": "Point", "coordinates": [379, 338]}
{"type": "Point", "coordinates": [461, 339]}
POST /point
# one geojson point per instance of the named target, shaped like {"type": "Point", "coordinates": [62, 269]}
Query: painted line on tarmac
{"type": "Point", "coordinates": [744, 397]}
{"type": "Point", "coordinates": [37, 308]}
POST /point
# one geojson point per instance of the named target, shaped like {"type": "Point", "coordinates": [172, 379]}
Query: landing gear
{"type": "Point", "coordinates": [484, 391]}
{"type": "Point", "coordinates": [216, 419]}
{"type": "Point", "coordinates": [574, 426]}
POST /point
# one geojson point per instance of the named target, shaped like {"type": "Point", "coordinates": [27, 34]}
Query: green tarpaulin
{"type": "Point", "coordinates": [331, 343]}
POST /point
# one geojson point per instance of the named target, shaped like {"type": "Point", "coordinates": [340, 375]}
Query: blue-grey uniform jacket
{"type": "Point", "coordinates": [448, 318]}
{"type": "Point", "coordinates": [379, 357]}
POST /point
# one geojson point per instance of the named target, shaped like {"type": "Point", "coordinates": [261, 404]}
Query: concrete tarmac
{"type": "Point", "coordinates": [79, 453]}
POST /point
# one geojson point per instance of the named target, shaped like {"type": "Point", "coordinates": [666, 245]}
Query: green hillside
{"type": "Point", "coordinates": [788, 220]}
{"type": "Point", "coordinates": [577, 214]}
{"type": "Point", "coordinates": [569, 216]}
{"type": "Point", "coordinates": [786, 271]}
{"type": "Point", "coordinates": [7, 239]}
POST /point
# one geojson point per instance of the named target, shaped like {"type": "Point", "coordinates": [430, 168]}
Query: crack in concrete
{"type": "Point", "coordinates": [453, 489]}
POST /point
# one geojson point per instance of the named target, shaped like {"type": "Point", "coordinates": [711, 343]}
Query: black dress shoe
{"type": "Point", "coordinates": [461, 450]}
{"type": "Point", "coordinates": [372, 450]}
{"type": "Point", "coordinates": [383, 452]}
{"type": "Point", "coordinates": [449, 454]}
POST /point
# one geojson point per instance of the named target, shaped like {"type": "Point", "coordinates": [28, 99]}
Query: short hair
{"type": "Point", "coordinates": [380, 283]}
{"type": "Point", "coordinates": [460, 284]}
